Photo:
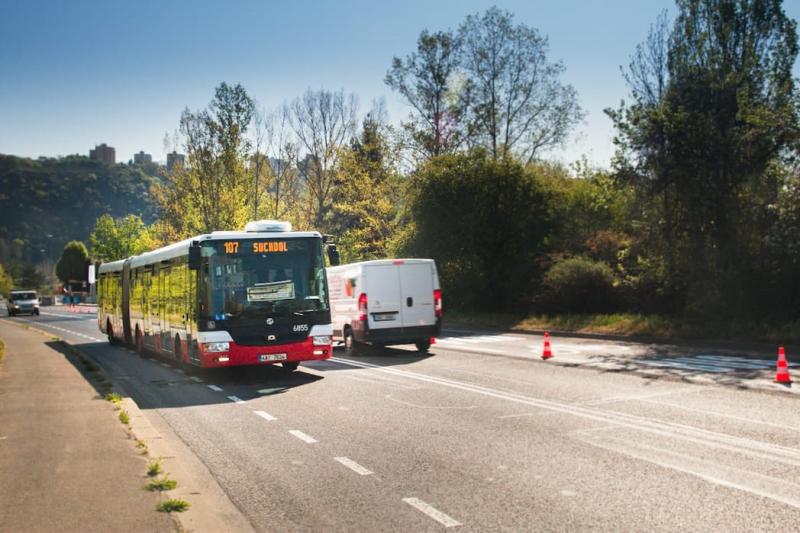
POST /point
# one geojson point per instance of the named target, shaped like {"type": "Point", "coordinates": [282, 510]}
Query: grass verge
{"type": "Point", "coordinates": [2, 349]}
{"type": "Point", "coordinates": [634, 325]}
{"type": "Point", "coordinates": [173, 506]}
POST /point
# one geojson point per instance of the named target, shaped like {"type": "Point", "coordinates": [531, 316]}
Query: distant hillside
{"type": "Point", "coordinates": [62, 198]}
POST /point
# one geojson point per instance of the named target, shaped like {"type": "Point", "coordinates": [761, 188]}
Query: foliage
{"type": "Point", "coordinates": [6, 282]}
{"type": "Point", "coordinates": [714, 106]}
{"type": "Point", "coordinates": [173, 506]}
{"type": "Point", "coordinates": [486, 224]}
{"type": "Point", "coordinates": [73, 264]}
{"type": "Point", "coordinates": [47, 202]}
{"type": "Point", "coordinates": [213, 191]}
{"type": "Point", "coordinates": [119, 238]}
{"type": "Point", "coordinates": [580, 285]}
{"type": "Point", "coordinates": [365, 198]}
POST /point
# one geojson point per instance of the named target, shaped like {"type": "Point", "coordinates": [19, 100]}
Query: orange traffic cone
{"type": "Point", "coordinates": [547, 353]}
{"type": "Point", "coordinates": [782, 375]}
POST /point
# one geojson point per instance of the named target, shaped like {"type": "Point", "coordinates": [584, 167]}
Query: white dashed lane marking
{"type": "Point", "coordinates": [63, 330]}
{"type": "Point", "coordinates": [445, 520]}
{"type": "Point", "coordinates": [354, 466]}
{"type": "Point", "coordinates": [302, 436]}
{"type": "Point", "coordinates": [215, 388]}
{"type": "Point", "coordinates": [236, 399]}
{"type": "Point", "coordinates": [196, 379]}
{"type": "Point", "coordinates": [265, 415]}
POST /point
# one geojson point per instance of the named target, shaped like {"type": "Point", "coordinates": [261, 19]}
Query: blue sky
{"type": "Point", "coordinates": [78, 73]}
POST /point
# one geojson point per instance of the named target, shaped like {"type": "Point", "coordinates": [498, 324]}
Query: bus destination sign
{"type": "Point", "coordinates": [257, 247]}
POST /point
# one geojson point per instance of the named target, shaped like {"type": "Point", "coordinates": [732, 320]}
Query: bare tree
{"type": "Point", "coordinates": [515, 99]}
{"type": "Point", "coordinates": [283, 187]}
{"type": "Point", "coordinates": [323, 121]}
{"type": "Point", "coordinates": [424, 80]}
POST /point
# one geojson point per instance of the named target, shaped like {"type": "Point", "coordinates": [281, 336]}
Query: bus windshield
{"type": "Point", "coordinates": [263, 277]}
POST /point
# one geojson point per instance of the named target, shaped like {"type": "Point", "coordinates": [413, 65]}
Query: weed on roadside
{"type": "Point", "coordinates": [2, 349]}
{"type": "Point", "coordinates": [142, 445]}
{"type": "Point", "coordinates": [161, 485]}
{"type": "Point", "coordinates": [173, 506]}
{"type": "Point", "coordinates": [114, 398]}
{"type": "Point", "coordinates": [124, 417]}
{"type": "Point", "coordinates": [154, 467]}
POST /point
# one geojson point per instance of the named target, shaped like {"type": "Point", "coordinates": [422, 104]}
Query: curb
{"type": "Point", "coordinates": [211, 508]}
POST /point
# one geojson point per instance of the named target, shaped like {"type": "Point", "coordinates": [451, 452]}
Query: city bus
{"type": "Point", "coordinates": [228, 298]}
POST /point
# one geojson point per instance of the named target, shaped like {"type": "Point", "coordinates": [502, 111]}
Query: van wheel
{"type": "Point", "coordinates": [423, 346]}
{"type": "Point", "coordinates": [290, 367]}
{"type": "Point", "coordinates": [350, 345]}
{"type": "Point", "coordinates": [36, 312]}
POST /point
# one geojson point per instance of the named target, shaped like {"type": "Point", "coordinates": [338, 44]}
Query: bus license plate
{"type": "Point", "coordinates": [271, 357]}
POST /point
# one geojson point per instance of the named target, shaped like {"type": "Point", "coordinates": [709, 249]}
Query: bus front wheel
{"type": "Point", "coordinates": [290, 367]}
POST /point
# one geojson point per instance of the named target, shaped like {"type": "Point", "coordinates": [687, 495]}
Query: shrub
{"type": "Point", "coordinates": [580, 285]}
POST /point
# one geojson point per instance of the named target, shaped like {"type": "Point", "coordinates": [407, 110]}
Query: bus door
{"type": "Point", "coordinates": [164, 302]}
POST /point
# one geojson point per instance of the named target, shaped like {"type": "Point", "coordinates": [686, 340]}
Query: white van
{"type": "Point", "coordinates": [387, 301]}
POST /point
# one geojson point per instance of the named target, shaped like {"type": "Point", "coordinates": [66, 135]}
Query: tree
{"type": "Point", "coordinates": [323, 122]}
{"type": "Point", "coordinates": [425, 80]}
{"type": "Point", "coordinates": [73, 265]}
{"type": "Point", "coordinates": [283, 186]}
{"type": "Point", "coordinates": [120, 238]}
{"type": "Point", "coordinates": [214, 190]}
{"type": "Point", "coordinates": [6, 282]}
{"type": "Point", "coordinates": [515, 100]}
{"type": "Point", "coordinates": [486, 224]}
{"type": "Point", "coordinates": [365, 199]}
{"type": "Point", "coordinates": [707, 120]}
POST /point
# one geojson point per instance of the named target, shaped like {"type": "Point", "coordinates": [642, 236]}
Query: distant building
{"type": "Point", "coordinates": [174, 158]}
{"type": "Point", "coordinates": [104, 153]}
{"type": "Point", "coordinates": [142, 158]}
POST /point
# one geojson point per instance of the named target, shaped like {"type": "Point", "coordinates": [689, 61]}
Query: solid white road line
{"type": "Point", "coordinates": [302, 436]}
{"type": "Point", "coordinates": [265, 415]}
{"type": "Point", "coordinates": [215, 388]}
{"type": "Point", "coordinates": [354, 466]}
{"type": "Point", "coordinates": [236, 399]}
{"type": "Point", "coordinates": [432, 512]}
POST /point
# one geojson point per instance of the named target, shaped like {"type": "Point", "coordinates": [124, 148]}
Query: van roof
{"type": "Point", "coordinates": [384, 262]}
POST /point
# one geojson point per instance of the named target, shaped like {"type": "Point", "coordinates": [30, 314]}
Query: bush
{"type": "Point", "coordinates": [580, 285]}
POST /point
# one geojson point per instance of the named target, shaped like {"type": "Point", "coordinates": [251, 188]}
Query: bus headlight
{"type": "Point", "coordinates": [321, 340]}
{"type": "Point", "coordinates": [216, 346]}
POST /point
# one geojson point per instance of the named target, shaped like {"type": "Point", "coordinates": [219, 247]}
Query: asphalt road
{"type": "Point", "coordinates": [477, 441]}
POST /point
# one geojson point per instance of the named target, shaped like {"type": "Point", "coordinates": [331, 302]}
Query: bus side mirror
{"type": "Point", "coordinates": [195, 257]}
{"type": "Point", "coordinates": [333, 254]}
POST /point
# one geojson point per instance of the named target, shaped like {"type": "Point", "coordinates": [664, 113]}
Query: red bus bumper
{"type": "Point", "coordinates": [252, 355]}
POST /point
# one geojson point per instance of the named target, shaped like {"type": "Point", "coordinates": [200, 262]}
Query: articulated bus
{"type": "Point", "coordinates": [255, 297]}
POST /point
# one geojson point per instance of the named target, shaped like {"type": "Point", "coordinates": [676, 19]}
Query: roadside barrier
{"type": "Point", "coordinates": [547, 353]}
{"type": "Point", "coordinates": [782, 375]}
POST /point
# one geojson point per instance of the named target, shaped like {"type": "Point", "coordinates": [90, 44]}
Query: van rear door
{"type": "Point", "coordinates": [416, 284]}
{"type": "Point", "coordinates": [382, 285]}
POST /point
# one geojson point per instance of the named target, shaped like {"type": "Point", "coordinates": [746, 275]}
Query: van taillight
{"type": "Point", "coordinates": [437, 302]}
{"type": "Point", "coordinates": [362, 306]}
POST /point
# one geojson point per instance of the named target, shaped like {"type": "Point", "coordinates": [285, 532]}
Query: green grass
{"type": "Point", "coordinates": [154, 467]}
{"type": "Point", "coordinates": [634, 324]}
{"type": "Point", "coordinates": [124, 417]}
{"type": "Point", "coordinates": [173, 506]}
{"type": "Point", "coordinates": [161, 485]}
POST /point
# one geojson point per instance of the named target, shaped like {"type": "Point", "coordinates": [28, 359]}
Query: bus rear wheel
{"type": "Point", "coordinates": [351, 347]}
